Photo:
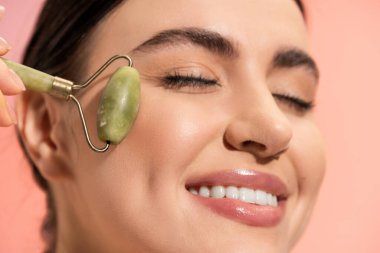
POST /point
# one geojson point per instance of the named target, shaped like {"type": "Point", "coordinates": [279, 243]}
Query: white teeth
{"type": "Point", "coordinates": [275, 201]}
{"type": "Point", "coordinates": [193, 191]}
{"type": "Point", "coordinates": [247, 195]}
{"type": "Point", "coordinates": [244, 194]}
{"type": "Point", "coordinates": [270, 199]}
{"type": "Point", "coordinates": [232, 192]}
{"type": "Point", "coordinates": [217, 192]}
{"type": "Point", "coordinates": [204, 191]}
{"type": "Point", "coordinates": [261, 197]}
{"type": "Point", "coordinates": [251, 198]}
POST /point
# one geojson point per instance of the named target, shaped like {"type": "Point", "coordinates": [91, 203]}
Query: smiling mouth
{"type": "Point", "coordinates": [245, 196]}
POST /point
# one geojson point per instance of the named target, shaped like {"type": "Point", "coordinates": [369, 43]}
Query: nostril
{"type": "Point", "coordinates": [253, 145]}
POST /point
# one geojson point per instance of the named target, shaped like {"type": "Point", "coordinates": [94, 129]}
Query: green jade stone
{"type": "Point", "coordinates": [119, 105]}
{"type": "Point", "coordinates": [32, 78]}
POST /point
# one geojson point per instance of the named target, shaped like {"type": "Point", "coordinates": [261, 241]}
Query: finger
{"type": "Point", "coordinates": [4, 46]}
{"type": "Point", "coordinates": [10, 83]}
{"type": "Point", "coordinates": [7, 115]}
{"type": "Point", "coordinates": [2, 10]}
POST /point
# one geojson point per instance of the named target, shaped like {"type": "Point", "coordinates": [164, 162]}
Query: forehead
{"type": "Point", "coordinates": [255, 24]}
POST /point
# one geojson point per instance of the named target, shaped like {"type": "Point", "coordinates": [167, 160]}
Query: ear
{"type": "Point", "coordinates": [37, 123]}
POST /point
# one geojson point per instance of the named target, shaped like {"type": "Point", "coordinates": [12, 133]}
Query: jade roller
{"type": "Point", "coordinates": [118, 105]}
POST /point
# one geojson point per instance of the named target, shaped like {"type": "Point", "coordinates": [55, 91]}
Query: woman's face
{"type": "Point", "coordinates": [226, 88]}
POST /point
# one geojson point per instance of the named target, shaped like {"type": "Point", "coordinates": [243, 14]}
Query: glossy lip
{"type": "Point", "coordinates": [246, 213]}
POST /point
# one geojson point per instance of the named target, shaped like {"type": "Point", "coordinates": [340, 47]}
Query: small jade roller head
{"type": "Point", "coordinates": [118, 105]}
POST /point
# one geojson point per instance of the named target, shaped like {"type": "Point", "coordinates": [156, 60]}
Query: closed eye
{"type": "Point", "coordinates": [295, 103]}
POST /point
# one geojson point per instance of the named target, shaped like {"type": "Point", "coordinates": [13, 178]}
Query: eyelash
{"type": "Point", "coordinates": [178, 81]}
{"type": "Point", "coordinates": [296, 103]}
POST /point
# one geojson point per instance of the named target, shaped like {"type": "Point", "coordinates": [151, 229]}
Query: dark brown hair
{"type": "Point", "coordinates": [59, 36]}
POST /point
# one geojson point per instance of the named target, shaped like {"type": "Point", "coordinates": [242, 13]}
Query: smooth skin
{"type": "Point", "coordinates": [133, 198]}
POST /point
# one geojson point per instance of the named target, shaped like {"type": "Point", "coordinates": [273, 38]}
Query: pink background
{"type": "Point", "coordinates": [346, 43]}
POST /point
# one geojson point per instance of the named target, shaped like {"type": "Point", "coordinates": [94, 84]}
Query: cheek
{"type": "Point", "coordinates": [308, 160]}
{"type": "Point", "coordinates": [172, 129]}
{"type": "Point", "coordinates": [308, 157]}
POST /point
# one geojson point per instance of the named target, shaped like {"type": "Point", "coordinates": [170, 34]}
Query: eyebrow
{"type": "Point", "coordinates": [225, 47]}
{"type": "Point", "coordinates": [294, 57]}
{"type": "Point", "coordinates": [212, 41]}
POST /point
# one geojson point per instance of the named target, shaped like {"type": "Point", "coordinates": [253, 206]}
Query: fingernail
{"type": "Point", "coordinates": [4, 46]}
{"type": "Point", "coordinates": [16, 80]}
{"type": "Point", "coordinates": [12, 113]}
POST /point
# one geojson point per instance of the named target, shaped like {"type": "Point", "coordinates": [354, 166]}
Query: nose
{"type": "Point", "coordinates": [260, 128]}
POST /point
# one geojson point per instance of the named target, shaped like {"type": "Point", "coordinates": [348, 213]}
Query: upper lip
{"type": "Point", "coordinates": [243, 178]}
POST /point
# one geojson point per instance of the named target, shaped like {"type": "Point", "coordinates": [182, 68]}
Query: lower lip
{"type": "Point", "coordinates": [246, 213]}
